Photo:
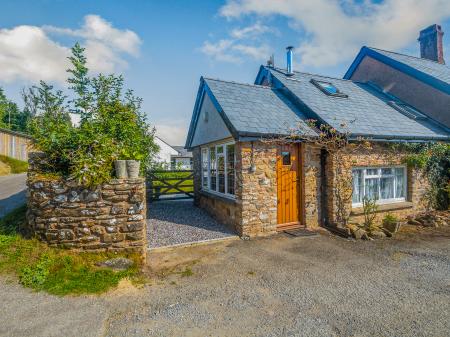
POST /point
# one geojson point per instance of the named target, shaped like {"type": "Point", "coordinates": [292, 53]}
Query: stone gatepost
{"type": "Point", "coordinates": [111, 217]}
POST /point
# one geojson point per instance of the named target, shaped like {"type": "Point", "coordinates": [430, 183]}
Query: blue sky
{"type": "Point", "coordinates": [163, 47]}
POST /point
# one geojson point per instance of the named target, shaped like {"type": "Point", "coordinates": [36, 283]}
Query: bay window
{"type": "Point", "coordinates": [384, 184]}
{"type": "Point", "coordinates": [218, 169]}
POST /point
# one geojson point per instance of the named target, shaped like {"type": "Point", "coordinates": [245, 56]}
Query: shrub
{"type": "Point", "coordinates": [112, 125]}
{"type": "Point", "coordinates": [434, 159]}
{"type": "Point", "coordinates": [370, 208]}
{"type": "Point", "coordinates": [390, 219]}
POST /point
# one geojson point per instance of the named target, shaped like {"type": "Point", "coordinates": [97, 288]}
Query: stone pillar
{"type": "Point", "coordinates": [111, 217]}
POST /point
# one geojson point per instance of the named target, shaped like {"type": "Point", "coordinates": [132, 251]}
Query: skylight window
{"type": "Point", "coordinates": [407, 110]}
{"type": "Point", "coordinates": [328, 88]}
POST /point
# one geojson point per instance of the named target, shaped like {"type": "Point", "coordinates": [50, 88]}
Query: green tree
{"type": "Point", "coordinates": [11, 117]}
{"type": "Point", "coordinates": [112, 124]}
{"type": "Point", "coordinates": [79, 82]}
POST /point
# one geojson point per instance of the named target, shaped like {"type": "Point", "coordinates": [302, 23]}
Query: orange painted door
{"type": "Point", "coordinates": [288, 181]}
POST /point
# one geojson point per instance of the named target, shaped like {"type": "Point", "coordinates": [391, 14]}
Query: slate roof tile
{"type": "Point", "coordinates": [255, 109]}
{"type": "Point", "coordinates": [365, 110]}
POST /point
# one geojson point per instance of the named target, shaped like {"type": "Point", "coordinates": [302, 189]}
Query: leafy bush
{"type": "Point", "coordinates": [434, 159]}
{"type": "Point", "coordinates": [370, 208]}
{"type": "Point", "coordinates": [390, 219]}
{"type": "Point", "coordinates": [112, 125]}
{"type": "Point", "coordinates": [17, 166]}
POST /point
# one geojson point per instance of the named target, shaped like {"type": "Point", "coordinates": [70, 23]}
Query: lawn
{"type": "Point", "coordinates": [56, 271]}
{"type": "Point", "coordinates": [173, 177]}
{"type": "Point", "coordinates": [16, 166]}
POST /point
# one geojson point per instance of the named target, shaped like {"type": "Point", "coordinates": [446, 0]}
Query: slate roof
{"type": "Point", "coordinates": [432, 68]}
{"type": "Point", "coordinates": [254, 110]}
{"type": "Point", "coordinates": [182, 152]}
{"type": "Point", "coordinates": [365, 111]}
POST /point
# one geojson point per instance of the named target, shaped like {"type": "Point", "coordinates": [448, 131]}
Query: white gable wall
{"type": "Point", "coordinates": [165, 152]}
{"type": "Point", "coordinates": [211, 128]}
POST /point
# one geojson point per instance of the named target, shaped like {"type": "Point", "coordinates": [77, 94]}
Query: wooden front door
{"type": "Point", "coordinates": [288, 182]}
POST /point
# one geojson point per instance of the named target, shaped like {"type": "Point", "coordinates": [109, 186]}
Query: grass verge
{"type": "Point", "coordinates": [57, 271]}
{"type": "Point", "coordinates": [17, 166]}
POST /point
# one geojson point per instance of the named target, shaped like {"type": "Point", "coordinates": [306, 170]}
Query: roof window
{"type": "Point", "coordinates": [328, 88]}
{"type": "Point", "coordinates": [407, 110]}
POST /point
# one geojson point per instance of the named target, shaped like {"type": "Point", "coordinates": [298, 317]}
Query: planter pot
{"type": "Point", "coordinates": [121, 169]}
{"type": "Point", "coordinates": [133, 167]}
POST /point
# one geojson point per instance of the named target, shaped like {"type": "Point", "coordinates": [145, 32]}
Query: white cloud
{"type": "Point", "coordinates": [335, 30]}
{"type": "Point", "coordinates": [171, 134]}
{"type": "Point", "coordinates": [29, 53]}
{"type": "Point", "coordinates": [235, 48]}
{"type": "Point", "coordinates": [227, 50]}
{"type": "Point", "coordinates": [257, 53]}
{"type": "Point", "coordinates": [97, 29]}
{"type": "Point", "coordinates": [219, 51]}
{"type": "Point", "coordinates": [250, 31]}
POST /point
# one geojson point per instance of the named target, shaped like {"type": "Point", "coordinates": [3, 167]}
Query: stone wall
{"type": "Point", "coordinates": [225, 210]}
{"type": "Point", "coordinates": [109, 217]}
{"type": "Point", "coordinates": [257, 190]}
{"type": "Point", "coordinates": [378, 156]}
{"type": "Point", "coordinates": [311, 186]}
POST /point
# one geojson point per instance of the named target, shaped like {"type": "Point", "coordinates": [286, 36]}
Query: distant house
{"type": "Point", "coordinates": [174, 157]}
{"type": "Point", "coordinates": [260, 187]}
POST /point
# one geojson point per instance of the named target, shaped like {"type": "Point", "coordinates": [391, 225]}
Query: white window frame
{"type": "Point", "coordinates": [224, 154]}
{"type": "Point", "coordinates": [379, 176]}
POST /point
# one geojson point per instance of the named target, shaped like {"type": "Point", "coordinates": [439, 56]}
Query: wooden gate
{"type": "Point", "coordinates": [170, 185]}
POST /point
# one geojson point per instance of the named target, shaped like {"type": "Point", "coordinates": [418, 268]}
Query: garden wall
{"type": "Point", "coordinates": [65, 214]}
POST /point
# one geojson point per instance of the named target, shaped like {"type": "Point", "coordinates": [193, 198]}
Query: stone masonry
{"type": "Point", "coordinates": [110, 217]}
{"type": "Point", "coordinates": [253, 212]}
{"type": "Point", "coordinates": [378, 156]}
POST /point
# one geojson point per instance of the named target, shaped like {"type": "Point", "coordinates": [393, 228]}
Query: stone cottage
{"type": "Point", "coordinates": [259, 186]}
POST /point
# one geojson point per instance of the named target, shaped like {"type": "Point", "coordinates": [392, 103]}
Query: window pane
{"type": "Point", "coordinates": [286, 158]}
{"type": "Point", "coordinates": [372, 188]}
{"type": "Point", "coordinates": [219, 149]}
{"type": "Point", "coordinates": [372, 172]}
{"type": "Point", "coordinates": [357, 186]}
{"type": "Point", "coordinates": [213, 167]}
{"type": "Point", "coordinates": [221, 171]}
{"type": "Point", "coordinates": [230, 169]}
{"type": "Point", "coordinates": [387, 187]}
{"type": "Point", "coordinates": [400, 180]}
{"type": "Point", "coordinates": [204, 168]}
{"type": "Point", "coordinates": [386, 171]}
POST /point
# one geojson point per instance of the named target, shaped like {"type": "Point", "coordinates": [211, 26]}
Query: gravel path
{"type": "Point", "coordinates": [12, 192]}
{"type": "Point", "coordinates": [180, 222]}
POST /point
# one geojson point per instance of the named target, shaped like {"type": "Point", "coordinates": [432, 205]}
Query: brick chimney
{"type": "Point", "coordinates": [431, 44]}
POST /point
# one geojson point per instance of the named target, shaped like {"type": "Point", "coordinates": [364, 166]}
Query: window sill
{"type": "Point", "coordinates": [223, 198]}
{"type": "Point", "coordinates": [384, 207]}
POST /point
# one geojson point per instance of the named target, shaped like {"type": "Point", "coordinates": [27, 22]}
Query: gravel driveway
{"type": "Point", "coordinates": [281, 286]}
{"type": "Point", "coordinates": [180, 222]}
{"type": "Point", "coordinates": [12, 192]}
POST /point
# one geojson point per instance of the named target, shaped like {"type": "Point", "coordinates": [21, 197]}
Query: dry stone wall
{"type": "Point", "coordinates": [109, 217]}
